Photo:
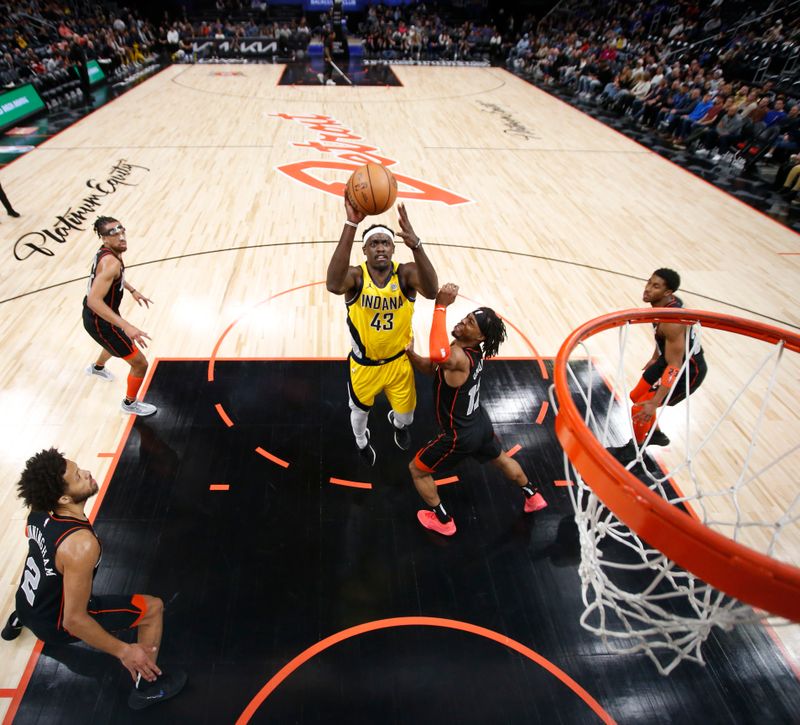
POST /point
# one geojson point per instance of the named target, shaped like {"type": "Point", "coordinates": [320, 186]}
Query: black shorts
{"type": "Point", "coordinates": [113, 612]}
{"type": "Point", "coordinates": [696, 370]}
{"type": "Point", "coordinates": [108, 336]}
{"type": "Point", "coordinates": [477, 441]}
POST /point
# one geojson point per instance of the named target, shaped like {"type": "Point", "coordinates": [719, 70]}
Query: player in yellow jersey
{"type": "Point", "coordinates": [380, 295]}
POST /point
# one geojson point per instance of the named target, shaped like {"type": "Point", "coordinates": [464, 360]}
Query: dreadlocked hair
{"type": "Point", "coordinates": [42, 482]}
{"type": "Point", "coordinates": [495, 333]}
{"type": "Point", "coordinates": [100, 221]}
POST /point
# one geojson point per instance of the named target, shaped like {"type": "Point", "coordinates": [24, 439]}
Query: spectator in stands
{"type": "Point", "coordinates": [791, 185]}
{"type": "Point", "coordinates": [779, 132]}
{"type": "Point", "coordinates": [693, 128]}
{"type": "Point", "coordinates": [173, 38]}
{"type": "Point", "coordinates": [622, 82]}
{"type": "Point", "coordinates": [77, 55]}
{"type": "Point", "coordinates": [496, 46]}
{"type": "Point", "coordinates": [757, 114]}
{"type": "Point", "coordinates": [637, 93]}
{"type": "Point", "coordinates": [645, 112]}
{"type": "Point", "coordinates": [681, 109]}
{"type": "Point", "coordinates": [723, 135]}
{"type": "Point", "coordinates": [788, 141]}
{"type": "Point", "coordinates": [682, 129]}
{"type": "Point", "coordinates": [9, 75]}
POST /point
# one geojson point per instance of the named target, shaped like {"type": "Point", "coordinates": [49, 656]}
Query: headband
{"type": "Point", "coordinates": [377, 230]}
{"type": "Point", "coordinates": [482, 318]}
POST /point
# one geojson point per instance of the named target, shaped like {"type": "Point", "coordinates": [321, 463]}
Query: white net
{"type": "Point", "coordinates": [731, 464]}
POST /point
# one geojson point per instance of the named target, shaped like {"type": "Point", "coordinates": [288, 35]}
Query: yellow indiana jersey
{"type": "Point", "coordinates": [379, 318]}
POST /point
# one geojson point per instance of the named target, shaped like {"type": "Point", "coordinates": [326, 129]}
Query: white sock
{"type": "Point", "coordinates": [402, 420]}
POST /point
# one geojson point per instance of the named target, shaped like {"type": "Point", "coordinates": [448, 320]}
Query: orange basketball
{"type": "Point", "coordinates": [372, 189]}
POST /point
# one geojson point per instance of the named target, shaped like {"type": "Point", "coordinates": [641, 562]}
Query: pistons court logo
{"type": "Point", "coordinates": [352, 152]}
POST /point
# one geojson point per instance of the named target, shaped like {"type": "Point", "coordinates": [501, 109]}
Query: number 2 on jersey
{"type": "Point", "coordinates": [30, 580]}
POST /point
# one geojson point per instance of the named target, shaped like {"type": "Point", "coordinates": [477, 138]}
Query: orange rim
{"type": "Point", "coordinates": [735, 569]}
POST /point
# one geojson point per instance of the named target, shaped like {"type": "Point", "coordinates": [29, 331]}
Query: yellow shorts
{"type": "Point", "coordinates": [395, 378]}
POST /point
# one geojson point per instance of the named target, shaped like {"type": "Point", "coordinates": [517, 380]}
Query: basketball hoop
{"type": "Point", "coordinates": [661, 566]}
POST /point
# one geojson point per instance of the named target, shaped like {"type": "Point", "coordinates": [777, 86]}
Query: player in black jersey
{"type": "Point", "coordinates": [102, 320]}
{"type": "Point", "coordinates": [55, 598]}
{"type": "Point", "coordinates": [466, 430]}
{"type": "Point", "coordinates": [664, 380]}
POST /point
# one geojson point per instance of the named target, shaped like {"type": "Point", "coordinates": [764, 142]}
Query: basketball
{"type": "Point", "coordinates": [372, 189]}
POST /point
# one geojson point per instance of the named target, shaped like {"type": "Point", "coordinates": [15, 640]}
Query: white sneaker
{"type": "Point", "coordinates": [716, 158]}
{"type": "Point", "coordinates": [103, 373]}
{"type": "Point", "coordinates": [137, 407]}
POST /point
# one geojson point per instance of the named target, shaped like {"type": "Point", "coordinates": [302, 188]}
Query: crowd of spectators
{"type": "Point", "coordinates": [419, 34]}
{"type": "Point", "coordinates": [687, 71]}
{"type": "Point", "coordinates": [38, 37]}
{"type": "Point", "coordinates": [42, 38]}
{"type": "Point", "coordinates": [684, 70]}
{"type": "Point", "coordinates": [408, 32]}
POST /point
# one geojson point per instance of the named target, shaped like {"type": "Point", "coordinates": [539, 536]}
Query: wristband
{"type": "Point", "coordinates": [669, 376]}
{"type": "Point", "coordinates": [419, 244]}
{"type": "Point", "coordinates": [351, 224]}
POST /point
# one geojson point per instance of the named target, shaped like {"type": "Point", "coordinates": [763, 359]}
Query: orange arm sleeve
{"type": "Point", "coordinates": [439, 344]}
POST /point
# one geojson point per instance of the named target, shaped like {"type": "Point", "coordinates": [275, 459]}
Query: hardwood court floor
{"type": "Point", "coordinates": [310, 544]}
{"type": "Point", "coordinates": [563, 219]}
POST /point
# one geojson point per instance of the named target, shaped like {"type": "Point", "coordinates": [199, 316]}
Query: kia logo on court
{"type": "Point", "coordinates": [74, 218]}
{"type": "Point", "coordinates": [334, 138]}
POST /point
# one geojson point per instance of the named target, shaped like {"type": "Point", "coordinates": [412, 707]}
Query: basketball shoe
{"type": "Point", "coordinates": [137, 407]}
{"type": "Point", "coordinates": [659, 438]}
{"type": "Point", "coordinates": [367, 453]}
{"type": "Point", "coordinates": [535, 503]}
{"type": "Point", "coordinates": [12, 629]}
{"type": "Point", "coordinates": [402, 436]}
{"type": "Point", "coordinates": [430, 521]}
{"type": "Point", "coordinates": [103, 373]}
{"type": "Point", "coordinates": [624, 454]}
{"type": "Point", "coordinates": [145, 694]}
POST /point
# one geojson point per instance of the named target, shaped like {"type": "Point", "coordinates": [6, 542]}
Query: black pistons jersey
{"type": "Point", "coordinates": [114, 295]}
{"type": "Point", "coordinates": [40, 596]}
{"type": "Point", "coordinates": [458, 408]}
{"type": "Point", "coordinates": [676, 302]}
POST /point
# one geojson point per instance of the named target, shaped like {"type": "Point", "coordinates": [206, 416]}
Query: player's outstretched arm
{"type": "Point", "coordinates": [420, 274]}
{"type": "Point", "coordinates": [76, 558]}
{"type": "Point", "coordinates": [439, 341]}
{"type": "Point", "coordinates": [341, 276]}
{"type": "Point", "coordinates": [423, 364]}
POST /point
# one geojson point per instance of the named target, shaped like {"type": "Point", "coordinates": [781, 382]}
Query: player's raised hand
{"type": "Point", "coordinates": [406, 230]}
{"type": "Point", "coordinates": [447, 294]}
{"type": "Point", "coordinates": [353, 214]}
